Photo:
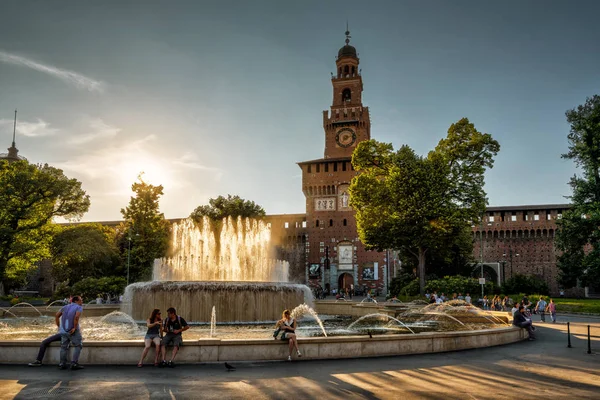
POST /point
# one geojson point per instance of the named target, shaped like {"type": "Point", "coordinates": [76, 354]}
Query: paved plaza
{"type": "Point", "coordinates": [544, 369]}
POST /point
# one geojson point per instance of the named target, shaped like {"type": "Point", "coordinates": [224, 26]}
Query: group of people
{"type": "Point", "coordinates": [441, 298]}
{"type": "Point", "coordinates": [160, 333]}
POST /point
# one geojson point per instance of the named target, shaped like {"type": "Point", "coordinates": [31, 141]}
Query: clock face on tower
{"type": "Point", "coordinates": [345, 137]}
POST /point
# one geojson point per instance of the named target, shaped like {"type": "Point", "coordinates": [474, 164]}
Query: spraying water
{"type": "Point", "coordinates": [213, 322]}
{"type": "Point", "coordinates": [379, 315]}
{"type": "Point", "coordinates": [235, 250]}
{"type": "Point", "coordinates": [304, 309]}
{"type": "Point", "coordinates": [7, 311]}
{"type": "Point", "coordinates": [55, 301]}
{"type": "Point", "coordinates": [25, 304]}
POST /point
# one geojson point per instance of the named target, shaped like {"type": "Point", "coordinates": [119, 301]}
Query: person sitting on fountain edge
{"type": "Point", "coordinates": [67, 320]}
{"type": "Point", "coordinates": [287, 324]}
{"type": "Point", "coordinates": [173, 326]}
{"type": "Point", "coordinates": [521, 320]}
{"type": "Point", "coordinates": [46, 342]}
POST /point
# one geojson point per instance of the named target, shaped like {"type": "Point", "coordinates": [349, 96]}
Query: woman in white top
{"type": "Point", "coordinates": [287, 325]}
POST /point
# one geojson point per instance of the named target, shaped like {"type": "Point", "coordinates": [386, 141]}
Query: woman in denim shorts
{"type": "Point", "coordinates": [152, 336]}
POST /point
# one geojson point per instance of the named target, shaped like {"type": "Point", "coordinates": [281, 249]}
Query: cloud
{"type": "Point", "coordinates": [70, 77]}
{"type": "Point", "coordinates": [100, 130]}
{"type": "Point", "coordinates": [30, 129]}
{"type": "Point", "coordinates": [190, 160]}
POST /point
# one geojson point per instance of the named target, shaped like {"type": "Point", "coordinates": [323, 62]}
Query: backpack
{"type": "Point", "coordinates": [166, 321]}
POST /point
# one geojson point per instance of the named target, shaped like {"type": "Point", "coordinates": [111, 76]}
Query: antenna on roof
{"type": "Point", "coordinates": [14, 129]}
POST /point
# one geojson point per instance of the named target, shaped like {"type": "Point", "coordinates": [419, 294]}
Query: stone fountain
{"type": "Point", "coordinates": [229, 265]}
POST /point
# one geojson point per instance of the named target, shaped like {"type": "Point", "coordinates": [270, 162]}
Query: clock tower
{"type": "Point", "coordinates": [347, 123]}
{"type": "Point", "coordinates": [335, 257]}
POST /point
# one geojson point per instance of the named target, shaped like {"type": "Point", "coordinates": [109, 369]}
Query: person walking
{"type": "Point", "coordinates": [67, 319]}
{"type": "Point", "coordinates": [288, 326]}
{"type": "Point", "coordinates": [551, 308]}
{"type": "Point", "coordinates": [173, 325]}
{"type": "Point", "coordinates": [152, 336]}
{"type": "Point", "coordinates": [540, 308]}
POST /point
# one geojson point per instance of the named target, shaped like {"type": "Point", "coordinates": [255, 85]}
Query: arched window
{"type": "Point", "coordinates": [346, 95]}
{"type": "Point", "coordinates": [345, 222]}
{"type": "Point", "coordinates": [346, 70]}
{"type": "Point", "coordinates": [330, 222]}
{"type": "Point", "coordinates": [317, 223]}
{"type": "Point", "coordinates": [353, 71]}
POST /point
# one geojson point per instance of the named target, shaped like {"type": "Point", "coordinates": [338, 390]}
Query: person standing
{"type": "Point", "coordinates": [540, 307]}
{"type": "Point", "coordinates": [551, 308]}
{"type": "Point", "coordinates": [468, 298]}
{"type": "Point", "coordinates": [67, 319]}
{"type": "Point", "coordinates": [173, 325]}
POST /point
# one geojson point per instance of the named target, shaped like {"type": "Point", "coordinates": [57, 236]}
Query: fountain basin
{"type": "Point", "coordinates": [218, 350]}
{"type": "Point", "coordinates": [234, 301]}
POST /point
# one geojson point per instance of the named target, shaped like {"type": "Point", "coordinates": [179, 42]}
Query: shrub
{"type": "Point", "coordinates": [525, 284]}
{"type": "Point", "coordinates": [412, 289]}
{"type": "Point", "coordinates": [458, 284]}
{"type": "Point", "coordinates": [400, 282]}
{"type": "Point", "coordinates": [89, 288]}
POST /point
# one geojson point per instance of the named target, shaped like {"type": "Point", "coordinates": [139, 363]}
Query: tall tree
{"type": "Point", "coordinates": [84, 251]}
{"type": "Point", "coordinates": [578, 235]}
{"type": "Point", "coordinates": [230, 206]}
{"type": "Point", "coordinates": [144, 235]}
{"type": "Point", "coordinates": [30, 197]}
{"type": "Point", "coordinates": [417, 204]}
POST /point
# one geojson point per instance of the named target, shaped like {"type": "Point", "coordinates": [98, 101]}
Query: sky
{"type": "Point", "coordinates": [212, 98]}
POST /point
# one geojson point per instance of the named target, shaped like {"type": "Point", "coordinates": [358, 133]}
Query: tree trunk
{"type": "Point", "coordinates": [422, 271]}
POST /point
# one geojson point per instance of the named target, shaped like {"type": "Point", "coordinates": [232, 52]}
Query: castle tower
{"type": "Point", "coordinates": [335, 257]}
{"type": "Point", "coordinates": [347, 123]}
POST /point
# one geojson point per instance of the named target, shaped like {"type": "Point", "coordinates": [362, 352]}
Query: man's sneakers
{"type": "Point", "coordinates": [76, 366]}
{"type": "Point", "coordinates": [162, 364]}
{"type": "Point", "coordinates": [36, 363]}
{"type": "Point", "coordinates": [62, 366]}
{"type": "Point", "coordinates": [298, 353]}
{"type": "Point", "coordinates": [171, 364]}
{"type": "Point", "coordinates": [289, 358]}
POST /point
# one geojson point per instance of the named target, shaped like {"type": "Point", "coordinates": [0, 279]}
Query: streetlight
{"type": "Point", "coordinates": [129, 253]}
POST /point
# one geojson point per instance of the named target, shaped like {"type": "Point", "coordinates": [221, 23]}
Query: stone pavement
{"type": "Point", "coordinates": [542, 369]}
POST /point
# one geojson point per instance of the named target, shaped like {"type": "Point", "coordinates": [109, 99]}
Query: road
{"type": "Point", "coordinates": [544, 369]}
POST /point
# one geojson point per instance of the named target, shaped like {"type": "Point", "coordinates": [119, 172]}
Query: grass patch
{"type": "Point", "coordinates": [577, 305]}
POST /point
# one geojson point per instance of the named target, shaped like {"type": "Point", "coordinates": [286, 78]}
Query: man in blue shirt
{"type": "Point", "coordinates": [67, 319]}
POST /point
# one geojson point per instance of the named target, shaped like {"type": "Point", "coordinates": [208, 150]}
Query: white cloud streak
{"type": "Point", "coordinates": [30, 129]}
{"type": "Point", "coordinates": [70, 77]}
{"type": "Point", "coordinates": [99, 130]}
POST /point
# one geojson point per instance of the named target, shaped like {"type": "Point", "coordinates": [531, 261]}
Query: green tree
{"type": "Point", "coordinates": [30, 197]}
{"type": "Point", "coordinates": [578, 235]}
{"type": "Point", "coordinates": [417, 204]}
{"type": "Point", "coordinates": [230, 206]}
{"type": "Point", "coordinates": [144, 235]}
{"type": "Point", "coordinates": [82, 251]}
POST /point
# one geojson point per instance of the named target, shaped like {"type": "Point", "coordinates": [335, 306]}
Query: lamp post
{"type": "Point", "coordinates": [128, 254]}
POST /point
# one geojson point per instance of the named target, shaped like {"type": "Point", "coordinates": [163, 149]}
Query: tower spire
{"type": "Point", "coordinates": [347, 33]}
{"type": "Point", "coordinates": [14, 129]}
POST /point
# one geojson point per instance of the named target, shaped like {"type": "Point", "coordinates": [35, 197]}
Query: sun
{"type": "Point", "coordinates": [153, 171]}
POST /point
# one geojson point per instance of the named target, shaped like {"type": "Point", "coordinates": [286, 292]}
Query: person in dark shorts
{"type": "Point", "coordinates": [173, 325]}
{"type": "Point", "coordinates": [152, 336]}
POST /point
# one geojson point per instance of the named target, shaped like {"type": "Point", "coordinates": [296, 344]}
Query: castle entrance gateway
{"type": "Point", "coordinates": [345, 281]}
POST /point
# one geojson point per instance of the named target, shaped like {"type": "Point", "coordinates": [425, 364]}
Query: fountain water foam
{"type": "Point", "coordinates": [304, 309]}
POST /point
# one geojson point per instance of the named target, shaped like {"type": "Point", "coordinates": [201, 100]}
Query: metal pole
{"type": "Point", "coordinates": [589, 341]}
{"type": "Point", "coordinates": [128, 256]}
{"type": "Point", "coordinates": [569, 334]}
{"type": "Point", "coordinates": [481, 253]}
